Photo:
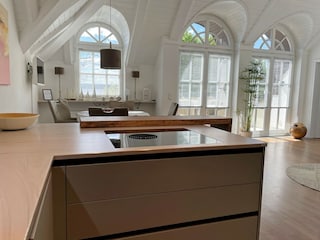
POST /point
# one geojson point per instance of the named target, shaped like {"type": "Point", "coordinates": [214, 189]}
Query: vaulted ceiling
{"type": "Point", "coordinates": [47, 25]}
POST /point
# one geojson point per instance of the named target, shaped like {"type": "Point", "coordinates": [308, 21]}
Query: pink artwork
{"type": "Point", "coordinates": [4, 48]}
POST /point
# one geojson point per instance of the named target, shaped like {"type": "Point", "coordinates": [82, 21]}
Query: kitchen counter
{"type": "Point", "coordinates": [142, 121]}
{"type": "Point", "coordinates": [26, 158]}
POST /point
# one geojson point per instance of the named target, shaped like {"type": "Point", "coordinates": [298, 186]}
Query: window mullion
{"type": "Point", "coordinates": [204, 89]}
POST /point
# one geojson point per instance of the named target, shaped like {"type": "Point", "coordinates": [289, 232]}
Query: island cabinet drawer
{"type": "Point", "coordinates": [94, 182]}
{"type": "Point", "coordinates": [237, 229]}
{"type": "Point", "coordinates": [108, 217]}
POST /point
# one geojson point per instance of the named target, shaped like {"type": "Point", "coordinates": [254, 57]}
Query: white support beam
{"type": "Point", "coordinates": [181, 18]}
{"type": "Point", "coordinates": [49, 13]}
{"type": "Point", "coordinates": [137, 31]}
{"type": "Point", "coordinates": [46, 41]}
{"type": "Point", "coordinates": [72, 26]}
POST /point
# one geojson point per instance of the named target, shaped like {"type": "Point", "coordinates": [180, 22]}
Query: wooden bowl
{"type": "Point", "coordinates": [17, 121]}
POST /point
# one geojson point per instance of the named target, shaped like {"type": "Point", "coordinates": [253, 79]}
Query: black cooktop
{"type": "Point", "coordinates": [159, 138]}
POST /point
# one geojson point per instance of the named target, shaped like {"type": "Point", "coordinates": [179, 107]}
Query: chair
{"type": "Point", "coordinates": [173, 109]}
{"type": "Point", "coordinates": [97, 111]}
{"type": "Point", "coordinates": [60, 111]}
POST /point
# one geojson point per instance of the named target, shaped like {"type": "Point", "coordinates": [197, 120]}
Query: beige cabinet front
{"type": "Point", "coordinates": [117, 197]}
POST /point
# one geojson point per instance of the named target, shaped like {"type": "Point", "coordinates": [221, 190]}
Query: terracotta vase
{"type": "Point", "coordinates": [298, 130]}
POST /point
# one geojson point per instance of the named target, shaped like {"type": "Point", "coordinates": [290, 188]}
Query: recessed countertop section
{"type": "Point", "coordinates": [26, 157]}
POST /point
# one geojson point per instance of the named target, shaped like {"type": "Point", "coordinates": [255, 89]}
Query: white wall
{"type": "Point", "coordinates": [68, 84]}
{"type": "Point", "coordinates": [145, 80]}
{"type": "Point", "coordinates": [16, 97]}
{"type": "Point", "coordinates": [311, 103]}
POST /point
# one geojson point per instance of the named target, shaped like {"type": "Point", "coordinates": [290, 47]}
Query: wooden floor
{"type": "Point", "coordinates": [289, 210]}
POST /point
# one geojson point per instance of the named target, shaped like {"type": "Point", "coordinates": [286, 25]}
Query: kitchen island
{"type": "Point", "coordinates": [32, 161]}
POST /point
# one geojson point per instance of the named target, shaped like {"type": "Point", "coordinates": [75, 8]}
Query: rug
{"type": "Point", "coordinates": [306, 174]}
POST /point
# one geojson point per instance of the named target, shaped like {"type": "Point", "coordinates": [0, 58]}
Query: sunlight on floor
{"type": "Point", "coordinates": [278, 139]}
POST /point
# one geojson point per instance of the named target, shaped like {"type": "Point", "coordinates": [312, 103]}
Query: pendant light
{"type": "Point", "coordinates": [110, 58]}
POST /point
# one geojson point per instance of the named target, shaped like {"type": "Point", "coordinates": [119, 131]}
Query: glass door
{"type": "Point", "coordinates": [271, 115]}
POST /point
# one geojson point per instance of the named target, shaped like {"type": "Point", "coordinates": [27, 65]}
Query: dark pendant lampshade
{"type": "Point", "coordinates": [135, 74]}
{"type": "Point", "coordinates": [58, 70]}
{"type": "Point", "coordinates": [110, 58]}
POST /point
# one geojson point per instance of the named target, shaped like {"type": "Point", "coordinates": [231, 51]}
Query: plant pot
{"type": "Point", "coordinates": [246, 134]}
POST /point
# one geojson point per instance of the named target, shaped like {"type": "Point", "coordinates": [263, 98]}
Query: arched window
{"type": "Point", "coordinates": [271, 116]}
{"type": "Point", "coordinates": [273, 39]}
{"type": "Point", "coordinates": [98, 35]}
{"type": "Point", "coordinates": [206, 33]}
{"type": "Point", "coordinates": [205, 67]}
{"type": "Point", "coordinates": [92, 79]}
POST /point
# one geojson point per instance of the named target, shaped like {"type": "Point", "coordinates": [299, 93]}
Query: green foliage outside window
{"type": "Point", "coordinates": [190, 38]}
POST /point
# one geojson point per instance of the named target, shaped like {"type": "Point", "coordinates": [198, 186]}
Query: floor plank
{"type": "Point", "coordinates": [289, 211]}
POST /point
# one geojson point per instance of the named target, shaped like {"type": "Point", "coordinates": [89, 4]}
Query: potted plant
{"type": "Point", "coordinates": [251, 76]}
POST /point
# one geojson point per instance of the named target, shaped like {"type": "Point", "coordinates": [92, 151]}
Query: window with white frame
{"type": "Point", "coordinates": [272, 114]}
{"type": "Point", "coordinates": [191, 79]}
{"type": "Point", "coordinates": [204, 80]}
{"type": "Point", "coordinates": [273, 39]}
{"type": "Point", "coordinates": [93, 79]}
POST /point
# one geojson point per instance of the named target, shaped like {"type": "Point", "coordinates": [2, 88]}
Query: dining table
{"type": "Point", "coordinates": [130, 113]}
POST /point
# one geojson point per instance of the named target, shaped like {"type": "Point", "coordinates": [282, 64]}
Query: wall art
{"type": "Point", "coordinates": [4, 48]}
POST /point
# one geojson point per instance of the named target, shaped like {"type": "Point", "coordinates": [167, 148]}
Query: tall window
{"type": "Point", "coordinates": [218, 88]}
{"type": "Point", "coordinates": [273, 110]}
{"type": "Point", "coordinates": [204, 81]}
{"type": "Point", "coordinates": [93, 79]}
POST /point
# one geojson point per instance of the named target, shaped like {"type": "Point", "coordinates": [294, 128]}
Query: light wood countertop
{"type": "Point", "coordinates": [26, 157]}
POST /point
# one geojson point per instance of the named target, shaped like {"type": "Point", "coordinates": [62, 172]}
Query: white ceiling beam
{"type": "Point", "coordinates": [36, 48]}
{"type": "Point", "coordinates": [35, 29]}
{"type": "Point", "coordinates": [59, 37]}
{"type": "Point", "coordinates": [180, 19]}
{"type": "Point", "coordinates": [137, 31]}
